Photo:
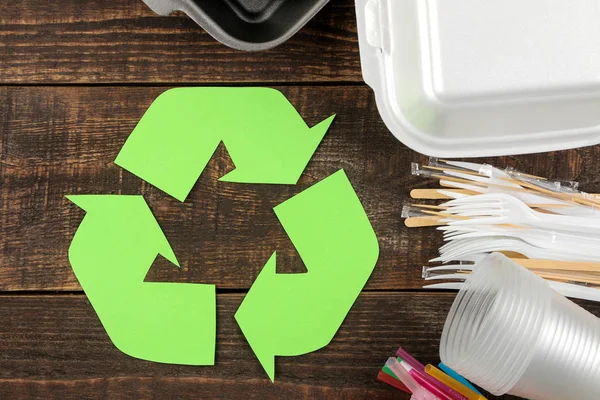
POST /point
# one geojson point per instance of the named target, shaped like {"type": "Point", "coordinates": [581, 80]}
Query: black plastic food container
{"type": "Point", "coordinates": [245, 24]}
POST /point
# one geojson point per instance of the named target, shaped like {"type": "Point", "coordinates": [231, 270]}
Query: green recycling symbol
{"type": "Point", "coordinates": [282, 314]}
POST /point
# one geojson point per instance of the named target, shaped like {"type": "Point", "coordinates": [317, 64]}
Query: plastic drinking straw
{"type": "Point", "coordinates": [389, 371]}
{"type": "Point", "coordinates": [410, 360]}
{"type": "Point", "coordinates": [427, 385]}
{"type": "Point", "coordinates": [403, 375]}
{"type": "Point", "coordinates": [392, 381]}
{"type": "Point", "coordinates": [418, 391]}
{"type": "Point", "coordinates": [459, 387]}
{"type": "Point", "coordinates": [390, 374]}
{"type": "Point", "coordinates": [457, 377]}
{"type": "Point", "coordinates": [441, 390]}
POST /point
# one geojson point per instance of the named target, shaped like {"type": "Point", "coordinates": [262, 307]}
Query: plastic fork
{"type": "Point", "coordinates": [528, 198]}
{"type": "Point", "coordinates": [461, 248]}
{"type": "Point", "coordinates": [566, 289]}
{"type": "Point", "coordinates": [589, 246]}
{"type": "Point", "coordinates": [505, 209]}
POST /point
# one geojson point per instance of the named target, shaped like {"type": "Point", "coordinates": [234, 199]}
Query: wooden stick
{"type": "Point", "coordinates": [460, 171]}
{"type": "Point", "coordinates": [418, 222]}
{"type": "Point", "coordinates": [558, 265]}
{"type": "Point", "coordinates": [565, 276]}
{"type": "Point", "coordinates": [434, 194]}
{"type": "Point", "coordinates": [584, 278]}
{"type": "Point", "coordinates": [549, 205]}
{"type": "Point", "coordinates": [586, 202]}
{"type": "Point", "coordinates": [533, 176]}
{"type": "Point", "coordinates": [558, 195]}
{"type": "Point", "coordinates": [459, 180]}
{"type": "Point", "coordinates": [433, 207]}
{"type": "Point", "coordinates": [445, 215]}
{"type": "Point", "coordinates": [480, 184]}
{"type": "Point", "coordinates": [430, 206]}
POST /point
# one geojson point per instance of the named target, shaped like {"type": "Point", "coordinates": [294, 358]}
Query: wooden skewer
{"type": "Point", "coordinates": [460, 171]}
{"type": "Point", "coordinates": [549, 205]}
{"type": "Point", "coordinates": [586, 202]}
{"type": "Point", "coordinates": [481, 184]}
{"type": "Point", "coordinates": [524, 186]}
{"type": "Point", "coordinates": [445, 215]}
{"type": "Point", "coordinates": [533, 176]}
{"type": "Point", "coordinates": [436, 217]}
{"type": "Point", "coordinates": [535, 188]}
{"type": "Point", "coordinates": [433, 207]}
{"type": "Point", "coordinates": [434, 194]}
{"type": "Point", "coordinates": [560, 196]}
{"type": "Point", "coordinates": [459, 180]}
{"type": "Point", "coordinates": [430, 206]}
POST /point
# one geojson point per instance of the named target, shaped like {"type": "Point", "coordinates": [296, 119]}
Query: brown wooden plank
{"type": "Point", "coordinates": [56, 141]}
{"type": "Point", "coordinates": [55, 347]}
{"type": "Point", "coordinates": [123, 41]}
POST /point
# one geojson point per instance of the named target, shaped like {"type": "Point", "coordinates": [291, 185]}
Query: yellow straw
{"type": "Point", "coordinates": [448, 381]}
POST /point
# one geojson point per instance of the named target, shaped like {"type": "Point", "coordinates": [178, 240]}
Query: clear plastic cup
{"type": "Point", "coordinates": [509, 332]}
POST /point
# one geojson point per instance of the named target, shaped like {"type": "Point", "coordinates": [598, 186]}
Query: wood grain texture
{"type": "Point", "coordinates": [54, 347]}
{"type": "Point", "coordinates": [56, 141]}
{"type": "Point", "coordinates": [123, 41]}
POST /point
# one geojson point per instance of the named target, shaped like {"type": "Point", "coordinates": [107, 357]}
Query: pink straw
{"type": "Point", "coordinates": [410, 360]}
{"type": "Point", "coordinates": [448, 392]}
{"type": "Point", "coordinates": [429, 386]}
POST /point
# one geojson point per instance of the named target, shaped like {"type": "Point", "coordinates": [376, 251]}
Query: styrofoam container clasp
{"type": "Point", "coordinates": [467, 78]}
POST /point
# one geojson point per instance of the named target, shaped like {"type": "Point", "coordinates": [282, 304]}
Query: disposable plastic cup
{"type": "Point", "coordinates": [509, 332]}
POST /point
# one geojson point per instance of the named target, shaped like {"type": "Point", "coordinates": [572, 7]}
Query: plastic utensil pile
{"type": "Point", "coordinates": [426, 382]}
{"type": "Point", "coordinates": [549, 227]}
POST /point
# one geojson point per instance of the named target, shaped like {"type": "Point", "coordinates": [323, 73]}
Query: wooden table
{"type": "Point", "coordinates": [75, 77]}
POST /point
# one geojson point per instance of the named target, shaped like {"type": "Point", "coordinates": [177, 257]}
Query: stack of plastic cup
{"type": "Point", "coordinates": [509, 332]}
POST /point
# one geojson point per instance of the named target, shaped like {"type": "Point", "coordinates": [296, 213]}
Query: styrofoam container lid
{"type": "Point", "coordinates": [468, 78]}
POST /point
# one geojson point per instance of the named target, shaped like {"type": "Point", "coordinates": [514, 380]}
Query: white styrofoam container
{"type": "Point", "coordinates": [466, 78]}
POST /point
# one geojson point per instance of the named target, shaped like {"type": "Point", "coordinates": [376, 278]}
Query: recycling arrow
{"type": "Point", "coordinates": [111, 253]}
{"type": "Point", "coordinates": [283, 314]}
{"type": "Point", "coordinates": [266, 138]}
{"type": "Point", "coordinates": [293, 314]}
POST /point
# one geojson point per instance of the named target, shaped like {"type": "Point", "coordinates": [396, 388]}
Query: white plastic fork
{"type": "Point", "coordinates": [566, 289]}
{"type": "Point", "coordinates": [589, 246]}
{"type": "Point", "coordinates": [461, 248]}
{"type": "Point", "coordinates": [505, 209]}
{"type": "Point", "coordinates": [457, 242]}
{"type": "Point", "coordinates": [466, 247]}
{"type": "Point", "coordinates": [527, 198]}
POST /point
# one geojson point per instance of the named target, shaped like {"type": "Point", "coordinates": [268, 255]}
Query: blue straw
{"type": "Point", "coordinates": [450, 372]}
